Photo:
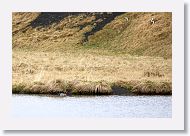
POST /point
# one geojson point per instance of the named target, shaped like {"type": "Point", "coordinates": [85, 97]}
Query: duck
{"type": "Point", "coordinates": [62, 95]}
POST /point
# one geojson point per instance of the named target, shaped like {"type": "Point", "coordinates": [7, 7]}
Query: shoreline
{"type": "Point", "coordinates": [57, 87]}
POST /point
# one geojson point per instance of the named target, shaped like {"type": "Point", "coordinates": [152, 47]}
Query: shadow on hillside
{"type": "Point", "coordinates": [106, 18]}
{"type": "Point", "coordinates": [47, 18]}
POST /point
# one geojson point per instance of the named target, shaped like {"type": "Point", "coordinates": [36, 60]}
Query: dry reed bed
{"type": "Point", "coordinates": [83, 72]}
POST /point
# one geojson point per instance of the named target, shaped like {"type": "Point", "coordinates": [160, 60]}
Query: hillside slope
{"type": "Point", "coordinates": [130, 32]}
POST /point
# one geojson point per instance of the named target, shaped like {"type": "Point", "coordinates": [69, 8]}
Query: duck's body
{"type": "Point", "coordinates": [62, 95]}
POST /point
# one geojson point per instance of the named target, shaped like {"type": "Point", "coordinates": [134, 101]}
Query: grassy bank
{"type": "Point", "coordinates": [89, 73]}
{"type": "Point", "coordinates": [94, 88]}
{"type": "Point", "coordinates": [92, 53]}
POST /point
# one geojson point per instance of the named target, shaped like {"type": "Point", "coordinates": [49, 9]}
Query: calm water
{"type": "Point", "coordinates": [93, 106]}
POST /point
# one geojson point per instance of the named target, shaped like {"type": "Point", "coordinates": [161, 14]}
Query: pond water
{"type": "Point", "coordinates": [92, 106]}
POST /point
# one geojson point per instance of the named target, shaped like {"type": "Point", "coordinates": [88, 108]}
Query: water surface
{"type": "Point", "coordinates": [92, 106]}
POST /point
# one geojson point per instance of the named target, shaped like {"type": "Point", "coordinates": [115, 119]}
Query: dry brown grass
{"type": "Point", "coordinates": [87, 73]}
{"type": "Point", "coordinates": [22, 20]}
